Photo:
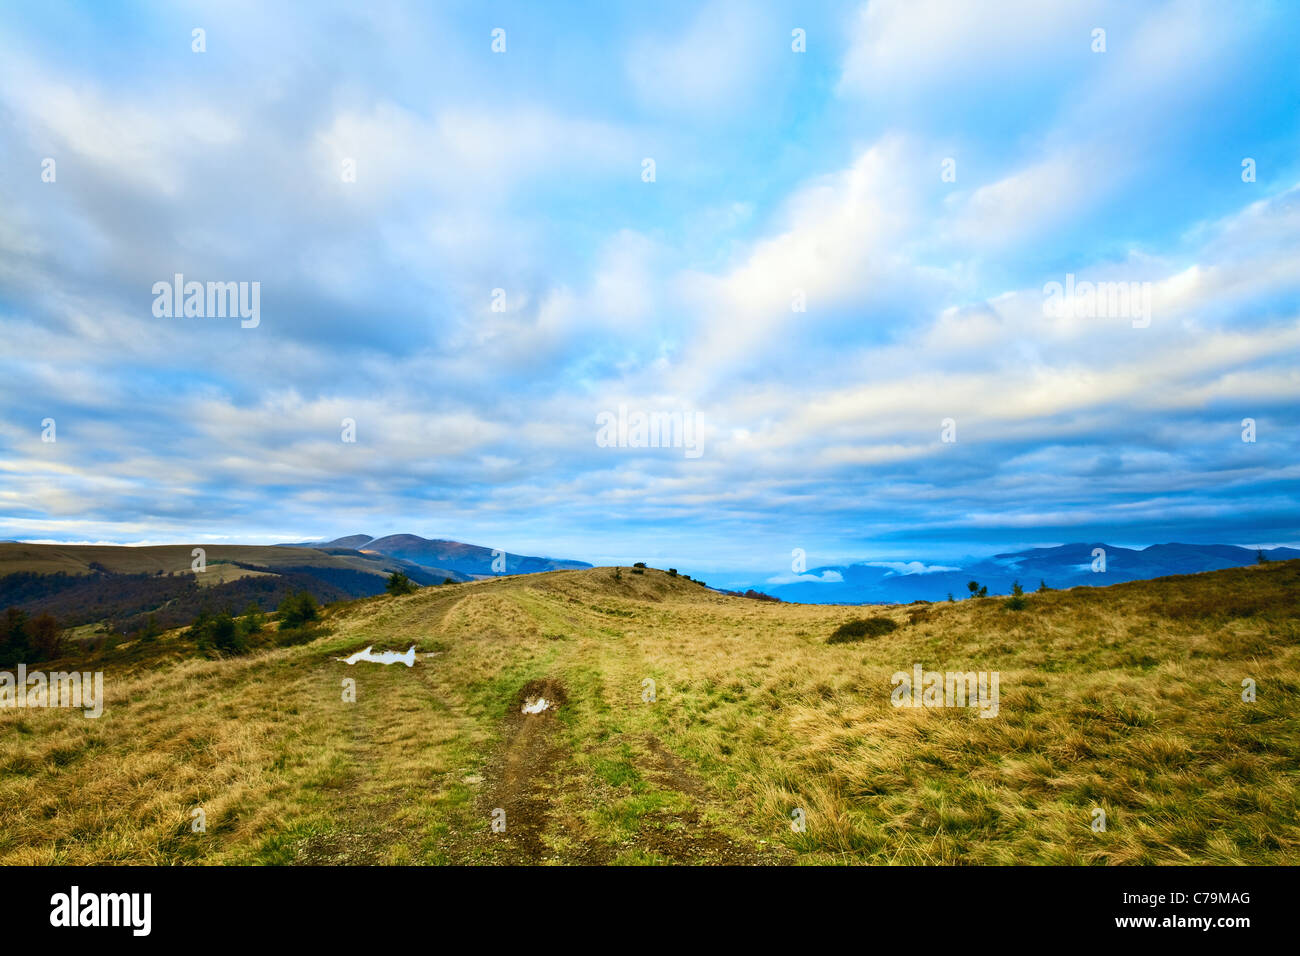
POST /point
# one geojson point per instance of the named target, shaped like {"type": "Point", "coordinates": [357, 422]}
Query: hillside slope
{"type": "Point", "coordinates": [1125, 699]}
{"type": "Point", "coordinates": [121, 588]}
{"type": "Point", "coordinates": [176, 558]}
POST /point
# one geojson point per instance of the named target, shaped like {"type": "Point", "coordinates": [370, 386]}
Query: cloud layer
{"type": "Point", "coordinates": [840, 263]}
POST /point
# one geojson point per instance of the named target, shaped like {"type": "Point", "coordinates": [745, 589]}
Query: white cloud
{"type": "Point", "coordinates": [714, 62]}
{"type": "Point", "coordinates": [473, 155]}
{"type": "Point", "coordinates": [148, 144]}
{"type": "Point", "coordinates": [826, 577]}
{"type": "Point", "coordinates": [911, 567]}
{"type": "Point", "coordinates": [901, 46]}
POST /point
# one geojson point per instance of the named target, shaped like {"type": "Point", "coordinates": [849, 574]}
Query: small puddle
{"type": "Point", "coordinates": [383, 657]}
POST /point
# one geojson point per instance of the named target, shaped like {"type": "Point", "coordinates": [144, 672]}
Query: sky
{"type": "Point", "coordinates": [823, 235]}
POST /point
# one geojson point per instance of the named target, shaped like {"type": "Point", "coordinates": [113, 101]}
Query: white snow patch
{"type": "Point", "coordinates": [383, 657]}
{"type": "Point", "coordinates": [535, 705]}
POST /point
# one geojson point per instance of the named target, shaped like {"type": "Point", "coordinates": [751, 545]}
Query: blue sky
{"type": "Point", "coordinates": [777, 174]}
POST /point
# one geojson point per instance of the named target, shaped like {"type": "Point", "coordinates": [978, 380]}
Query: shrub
{"type": "Point", "coordinates": [47, 637]}
{"type": "Point", "coordinates": [13, 637]}
{"type": "Point", "coordinates": [1042, 585]}
{"type": "Point", "coordinates": [220, 633]}
{"type": "Point", "coordinates": [861, 628]}
{"type": "Point", "coordinates": [1260, 556]}
{"type": "Point", "coordinates": [297, 609]}
{"type": "Point", "coordinates": [23, 639]}
{"type": "Point", "coordinates": [1017, 600]}
{"type": "Point", "coordinates": [226, 635]}
{"type": "Point", "coordinates": [399, 583]}
{"type": "Point", "coordinates": [448, 581]}
{"type": "Point", "coordinates": [151, 629]}
{"type": "Point", "coordinates": [639, 564]}
{"type": "Point", "coordinates": [672, 572]}
{"type": "Point", "coordinates": [254, 619]}
{"type": "Point", "coordinates": [198, 631]}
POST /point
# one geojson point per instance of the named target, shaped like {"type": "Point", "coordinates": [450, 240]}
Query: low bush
{"type": "Point", "coordinates": [219, 634]}
{"type": "Point", "coordinates": [399, 583]}
{"type": "Point", "coordinates": [863, 627]}
{"type": "Point", "coordinates": [298, 609]}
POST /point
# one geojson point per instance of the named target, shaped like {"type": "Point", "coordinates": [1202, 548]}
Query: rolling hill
{"type": "Point", "coordinates": [124, 586]}
{"type": "Point", "coordinates": [684, 726]}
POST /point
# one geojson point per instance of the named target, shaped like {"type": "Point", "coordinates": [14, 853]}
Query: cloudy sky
{"type": "Point", "coordinates": [839, 249]}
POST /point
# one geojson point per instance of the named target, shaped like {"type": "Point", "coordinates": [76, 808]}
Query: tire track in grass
{"type": "Point", "coordinates": [523, 776]}
{"type": "Point", "coordinates": [405, 733]}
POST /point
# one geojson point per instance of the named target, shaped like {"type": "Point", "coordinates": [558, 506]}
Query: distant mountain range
{"type": "Point", "coordinates": [129, 588]}
{"type": "Point", "coordinates": [1066, 566]}
{"type": "Point", "coordinates": [456, 559]}
{"type": "Point", "coordinates": [79, 583]}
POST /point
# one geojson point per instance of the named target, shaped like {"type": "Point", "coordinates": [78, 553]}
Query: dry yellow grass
{"type": "Point", "coordinates": [1125, 698]}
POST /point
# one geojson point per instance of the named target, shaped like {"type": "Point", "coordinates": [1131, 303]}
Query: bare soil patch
{"type": "Point", "coordinates": [522, 776]}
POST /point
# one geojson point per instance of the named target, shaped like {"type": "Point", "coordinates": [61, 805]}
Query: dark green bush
{"type": "Point", "coordinates": [29, 639]}
{"type": "Point", "coordinates": [225, 634]}
{"type": "Point", "coordinates": [297, 609]}
{"type": "Point", "coordinates": [861, 628]}
{"type": "Point", "coordinates": [254, 620]}
{"type": "Point", "coordinates": [399, 583]}
{"type": "Point", "coordinates": [151, 629]}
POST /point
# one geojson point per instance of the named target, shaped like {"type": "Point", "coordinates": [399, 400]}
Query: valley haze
{"type": "Point", "coordinates": [865, 581]}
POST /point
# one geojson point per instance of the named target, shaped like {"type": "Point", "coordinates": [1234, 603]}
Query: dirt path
{"type": "Point", "coordinates": [524, 774]}
{"type": "Point", "coordinates": [587, 780]}
{"type": "Point", "coordinates": [393, 762]}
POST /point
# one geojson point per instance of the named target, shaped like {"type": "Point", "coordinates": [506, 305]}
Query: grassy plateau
{"type": "Point", "coordinates": [687, 727]}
